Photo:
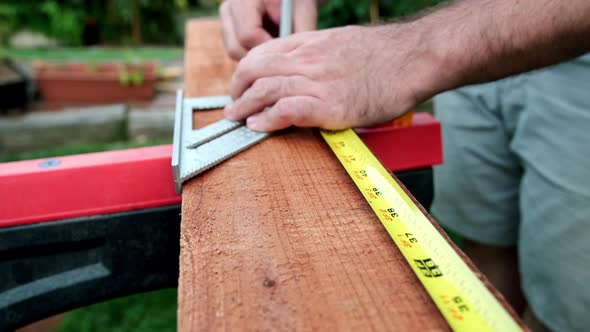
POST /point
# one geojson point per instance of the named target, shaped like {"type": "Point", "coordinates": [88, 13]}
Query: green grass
{"type": "Point", "coordinates": [94, 53]}
{"type": "Point", "coordinates": [155, 311]}
{"type": "Point", "coordinates": [77, 149]}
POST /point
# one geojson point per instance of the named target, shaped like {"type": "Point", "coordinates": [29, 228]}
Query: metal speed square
{"type": "Point", "coordinates": [197, 150]}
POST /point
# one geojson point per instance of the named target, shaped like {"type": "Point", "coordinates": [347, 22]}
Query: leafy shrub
{"type": "Point", "coordinates": [345, 12]}
{"type": "Point", "coordinates": [45, 16]}
{"type": "Point", "coordinates": [114, 20]}
{"type": "Point", "coordinates": [156, 19]}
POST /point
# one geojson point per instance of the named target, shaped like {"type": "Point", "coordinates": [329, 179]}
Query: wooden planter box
{"type": "Point", "coordinates": [103, 83]}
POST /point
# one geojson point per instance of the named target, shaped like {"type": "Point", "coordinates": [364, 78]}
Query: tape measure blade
{"type": "Point", "coordinates": [463, 299]}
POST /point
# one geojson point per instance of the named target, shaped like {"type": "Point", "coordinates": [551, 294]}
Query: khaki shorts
{"type": "Point", "coordinates": [517, 172]}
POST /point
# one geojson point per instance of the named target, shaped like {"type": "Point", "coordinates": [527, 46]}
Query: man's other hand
{"type": "Point", "coordinates": [243, 27]}
{"type": "Point", "coordinates": [333, 79]}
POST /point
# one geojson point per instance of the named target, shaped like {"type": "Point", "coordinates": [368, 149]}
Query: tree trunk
{"type": "Point", "coordinates": [136, 23]}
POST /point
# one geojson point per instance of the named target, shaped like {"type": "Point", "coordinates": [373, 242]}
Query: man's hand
{"type": "Point", "coordinates": [333, 79]}
{"type": "Point", "coordinates": [359, 76]}
{"type": "Point", "coordinates": [243, 21]}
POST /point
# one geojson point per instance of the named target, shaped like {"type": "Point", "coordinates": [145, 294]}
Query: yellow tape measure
{"type": "Point", "coordinates": [462, 298]}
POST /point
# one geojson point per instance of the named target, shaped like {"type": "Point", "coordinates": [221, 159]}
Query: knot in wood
{"type": "Point", "coordinates": [268, 283]}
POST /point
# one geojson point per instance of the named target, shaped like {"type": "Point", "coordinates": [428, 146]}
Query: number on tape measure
{"type": "Point", "coordinates": [462, 298]}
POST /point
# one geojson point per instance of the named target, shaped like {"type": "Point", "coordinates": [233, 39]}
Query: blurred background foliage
{"type": "Point", "coordinates": [89, 22]}
{"type": "Point", "coordinates": [346, 12]}
{"type": "Point", "coordinates": [135, 22]}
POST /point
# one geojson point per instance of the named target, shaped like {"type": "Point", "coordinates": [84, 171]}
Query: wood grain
{"type": "Point", "coordinates": [278, 238]}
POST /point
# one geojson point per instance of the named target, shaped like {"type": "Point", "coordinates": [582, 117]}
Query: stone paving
{"type": "Point", "coordinates": [94, 124]}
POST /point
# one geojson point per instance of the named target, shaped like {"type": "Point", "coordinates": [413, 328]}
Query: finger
{"type": "Point", "coordinates": [301, 111]}
{"type": "Point", "coordinates": [266, 92]}
{"type": "Point", "coordinates": [305, 15]}
{"type": "Point", "coordinates": [234, 49]}
{"type": "Point", "coordinates": [258, 65]}
{"type": "Point", "coordinates": [282, 45]}
{"type": "Point", "coordinates": [273, 11]}
{"type": "Point", "coordinates": [247, 22]}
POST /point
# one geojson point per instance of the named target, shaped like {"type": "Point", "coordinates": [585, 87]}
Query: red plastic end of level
{"type": "Point", "coordinates": [405, 148]}
{"type": "Point", "coordinates": [110, 182]}
{"type": "Point", "coordinates": [86, 185]}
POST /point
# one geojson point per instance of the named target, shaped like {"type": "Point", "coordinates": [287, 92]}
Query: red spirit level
{"type": "Point", "coordinates": [81, 229]}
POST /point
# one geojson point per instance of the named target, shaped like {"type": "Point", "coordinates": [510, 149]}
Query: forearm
{"type": "Point", "coordinates": [474, 41]}
{"type": "Point", "coordinates": [361, 76]}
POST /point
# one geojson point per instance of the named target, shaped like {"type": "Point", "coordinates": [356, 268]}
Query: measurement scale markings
{"type": "Point", "coordinates": [462, 298]}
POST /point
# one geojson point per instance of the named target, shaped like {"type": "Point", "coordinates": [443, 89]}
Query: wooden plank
{"type": "Point", "coordinates": [279, 238]}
